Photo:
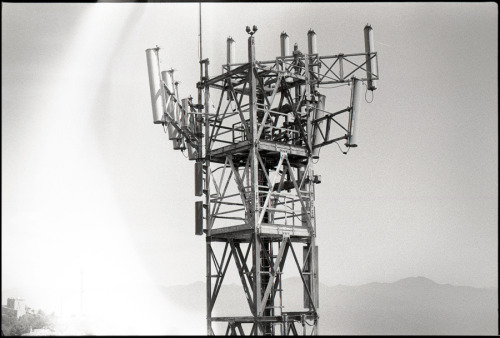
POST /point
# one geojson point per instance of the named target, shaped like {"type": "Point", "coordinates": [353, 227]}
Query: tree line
{"type": "Point", "coordinates": [12, 326]}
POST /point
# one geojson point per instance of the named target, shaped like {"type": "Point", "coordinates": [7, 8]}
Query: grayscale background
{"type": "Point", "coordinates": [98, 208]}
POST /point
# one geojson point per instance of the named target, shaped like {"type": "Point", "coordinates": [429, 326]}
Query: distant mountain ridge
{"type": "Point", "coordinates": [410, 306]}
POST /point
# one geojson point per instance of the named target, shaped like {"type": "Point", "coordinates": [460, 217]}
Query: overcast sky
{"type": "Point", "coordinates": [90, 183]}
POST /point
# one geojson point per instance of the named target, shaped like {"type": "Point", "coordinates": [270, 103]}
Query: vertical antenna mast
{"type": "Point", "coordinates": [201, 51]}
{"type": "Point", "coordinates": [201, 45]}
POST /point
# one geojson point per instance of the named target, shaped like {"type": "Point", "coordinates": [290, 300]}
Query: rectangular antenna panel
{"type": "Point", "coordinates": [311, 277]}
{"type": "Point", "coordinates": [199, 217]}
{"type": "Point", "coordinates": [198, 179]}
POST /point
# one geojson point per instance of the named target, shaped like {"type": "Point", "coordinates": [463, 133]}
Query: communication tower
{"type": "Point", "coordinates": [254, 135]}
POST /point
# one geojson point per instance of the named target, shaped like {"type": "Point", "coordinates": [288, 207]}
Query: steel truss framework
{"type": "Point", "coordinates": [278, 79]}
{"type": "Point", "coordinates": [259, 120]}
{"type": "Point", "coordinates": [254, 133]}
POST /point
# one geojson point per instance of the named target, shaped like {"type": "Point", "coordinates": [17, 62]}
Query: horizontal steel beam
{"type": "Point", "coordinates": [227, 75]}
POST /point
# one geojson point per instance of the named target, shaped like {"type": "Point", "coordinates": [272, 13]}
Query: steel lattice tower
{"type": "Point", "coordinates": [254, 135]}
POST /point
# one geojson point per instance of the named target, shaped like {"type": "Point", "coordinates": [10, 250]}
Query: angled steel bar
{"type": "Point", "coordinates": [308, 218]}
{"type": "Point", "coordinates": [247, 167]}
{"type": "Point", "coordinates": [217, 191]}
{"type": "Point", "coordinates": [323, 136]}
{"type": "Point", "coordinates": [329, 70]}
{"type": "Point", "coordinates": [282, 265]}
{"type": "Point", "coordinates": [304, 177]}
{"type": "Point", "coordinates": [252, 331]}
{"type": "Point", "coordinates": [264, 206]}
{"type": "Point", "coordinates": [214, 259]}
{"type": "Point", "coordinates": [244, 81]}
{"type": "Point", "coordinates": [275, 90]}
{"type": "Point", "coordinates": [220, 102]}
{"type": "Point", "coordinates": [243, 260]}
{"type": "Point", "coordinates": [222, 260]}
{"type": "Point", "coordinates": [275, 270]}
{"type": "Point", "coordinates": [297, 119]}
{"type": "Point", "coordinates": [224, 76]}
{"type": "Point", "coordinates": [269, 103]}
{"type": "Point", "coordinates": [314, 330]}
{"type": "Point", "coordinates": [223, 141]}
{"type": "Point", "coordinates": [326, 135]}
{"type": "Point", "coordinates": [256, 248]}
{"type": "Point", "coordinates": [263, 167]}
{"type": "Point", "coordinates": [229, 212]}
{"type": "Point", "coordinates": [306, 256]}
{"type": "Point", "coordinates": [215, 131]}
{"type": "Point", "coordinates": [238, 326]}
{"type": "Point", "coordinates": [239, 183]}
{"type": "Point", "coordinates": [282, 181]}
{"type": "Point", "coordinates": [242, 118]}
{"type": "Point", "coordinates": [371, 73]}
{"type": "Point", "coordinates": [328, 115]}
{"type": "Point", "coordinates": [248, 293]}
{"type": "Point", "coordinates": [250, 271]}
{"type": "Point", "coordinates": [219, 202]}
{"type": "Point", "coordinates": [357, 67]}
{"type": "Point", "coordinates": [266, 256]}
{"type": "Point", "coordinates": [332, 80]}
{"type": "Point", "coordinates": [218, 282]}
{"type": "Point", "coordinates": [225, 196]}
{"type": "Point", "coordinates": [226, 164]}
{"type": "Point", "coordinates": [260, 326]}
{"type": "Point", "coordinates": [316, 64]}
{"type": "Point", "coordinates": [306, 287]}
{"type": "Point", "coordinates": [231, 203]}
{"type": "Point", "coordinates": [324, 57]}
{"type": "Point", "coordinates": [220, 196]}
{"type": "Point", "coordinates": [331, 141]}
{"type": "Point", "coordinates": [227, 217]}
{"type": "Point", "coordinates": [341, 126]}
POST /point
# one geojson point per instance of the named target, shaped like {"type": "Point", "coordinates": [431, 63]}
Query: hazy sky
{"type": "Point", "coordinates": [90, 183]}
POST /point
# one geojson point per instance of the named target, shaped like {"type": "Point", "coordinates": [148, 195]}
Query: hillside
{"type": "Point", "coordinates": [411, 306]}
